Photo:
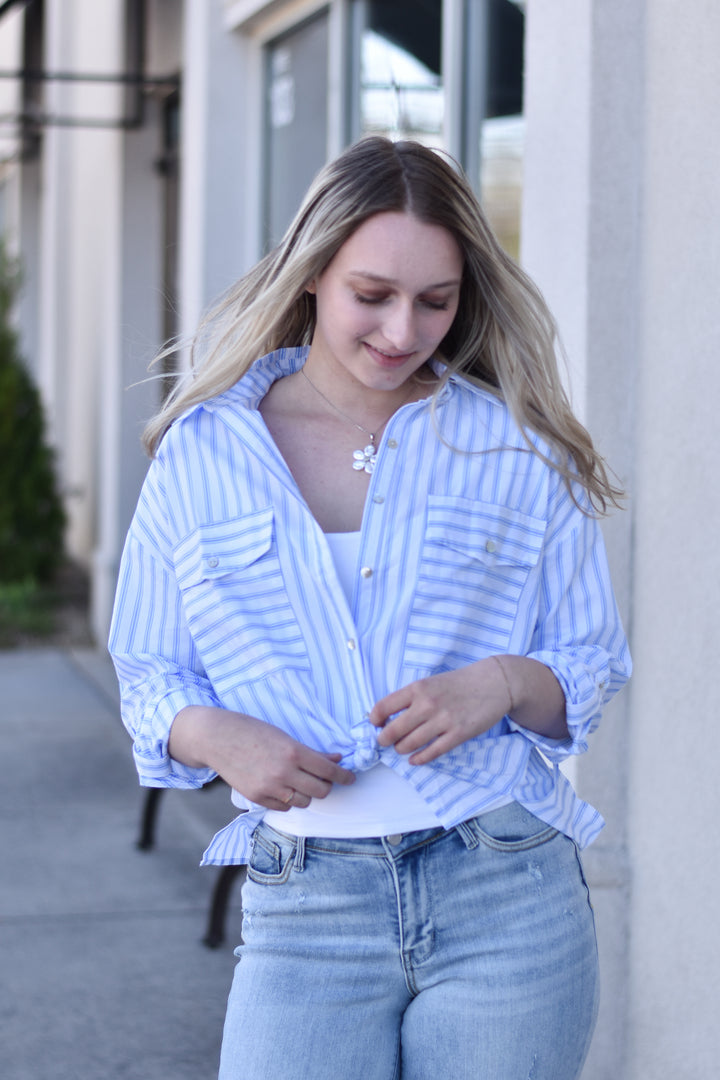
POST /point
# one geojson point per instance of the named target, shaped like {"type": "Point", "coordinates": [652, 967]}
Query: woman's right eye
{"type": "Point", "coordinates": [361, 299]}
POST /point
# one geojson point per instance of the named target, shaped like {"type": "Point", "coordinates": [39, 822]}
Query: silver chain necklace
{"type": "Point", "coordinates": [364, 460]}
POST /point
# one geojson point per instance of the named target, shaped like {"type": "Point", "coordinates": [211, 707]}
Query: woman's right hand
{"type": "Point", "coordinates": [263, 763]}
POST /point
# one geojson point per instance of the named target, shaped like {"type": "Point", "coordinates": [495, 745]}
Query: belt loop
{"type": "Point", "coordinates": [299, 860]}
{"type": "Point", "coordinates": [468, 834]}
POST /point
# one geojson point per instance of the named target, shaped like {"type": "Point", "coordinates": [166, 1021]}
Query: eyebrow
{"type": "Point", "coordinates": [391, 281]}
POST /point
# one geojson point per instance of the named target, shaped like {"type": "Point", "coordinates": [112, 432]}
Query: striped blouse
{"type": "Point", "coordinates": [470, 545]}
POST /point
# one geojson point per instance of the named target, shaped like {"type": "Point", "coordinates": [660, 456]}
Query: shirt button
{"type": "Point", "coordinates": [366, 571]}
{"type": "Point", "coordinates": [392, 444]}
{"type": "Point", "coordinates": [394, 839]}
{"type": "Point", "coordinates": [351, 644]}
{"type": "Point", "coordinates": [379, 499]}
{"type": "Point", "coordinates": [213, 562]}
{"type": "Point", "coordinates": [490, 546]}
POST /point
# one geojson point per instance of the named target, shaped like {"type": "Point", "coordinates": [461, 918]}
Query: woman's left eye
{"type": "Point", "coordinates": [436, 305]}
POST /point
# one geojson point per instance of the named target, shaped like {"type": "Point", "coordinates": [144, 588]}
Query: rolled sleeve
{"type": "Point", "coordinates": [579, 633]}
{"type": "Point", "coordinates": [150, 705]}
{"type": "Point", "coordinates": [157, 664]}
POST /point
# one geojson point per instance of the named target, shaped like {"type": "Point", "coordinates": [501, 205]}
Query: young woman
{"type": "Point", "coordinates": [366, 585]}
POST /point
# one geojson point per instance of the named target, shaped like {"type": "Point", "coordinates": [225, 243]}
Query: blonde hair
{"type": "Point", "coordinates": [503, 335]}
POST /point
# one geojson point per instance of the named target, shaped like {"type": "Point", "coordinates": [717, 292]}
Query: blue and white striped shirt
{"type": "Point", "coordinates": [470, 545]}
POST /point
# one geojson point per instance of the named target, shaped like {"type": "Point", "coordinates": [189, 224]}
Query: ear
{"type": "Point", "coordinates": [311, 287]}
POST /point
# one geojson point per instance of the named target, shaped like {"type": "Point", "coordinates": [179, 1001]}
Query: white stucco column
{"type": "Point", "coordinates": [622, 230]}
{"type": "Point", "coordinates": [216, 85]}
{"type": "Point", "coordinates": [79, 229]}
{"type": "Point", "coordinates": [581, 242]}
{"type": "Point", "coordinates": [129, 393]}
{"type": "Point", "coordinates": [55, 233]}
{"type": "Point", "coordinates": [134, 334]}
{"type": "Point", "coordinates": [674, 790]}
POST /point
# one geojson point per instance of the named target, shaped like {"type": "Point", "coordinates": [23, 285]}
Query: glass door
{"type": "Point", "coordinates": [296, 108]}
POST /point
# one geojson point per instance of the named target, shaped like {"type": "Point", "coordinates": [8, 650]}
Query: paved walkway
{"type": "Point", "coordinates": [102, 970]}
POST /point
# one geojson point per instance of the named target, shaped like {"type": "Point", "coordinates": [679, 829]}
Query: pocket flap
{"type": "Point", "coordinates": [224, 547]}
{"type": "Point", "coordinates": [495, 535]}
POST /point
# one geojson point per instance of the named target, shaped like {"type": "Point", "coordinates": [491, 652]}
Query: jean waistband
{"type": "Point", "coordinates": [393, 845]}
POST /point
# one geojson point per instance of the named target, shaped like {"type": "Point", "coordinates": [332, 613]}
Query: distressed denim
{"type": "Point", "coordinates": [468, 953]}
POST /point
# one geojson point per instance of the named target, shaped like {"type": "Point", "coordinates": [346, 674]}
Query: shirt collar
{"type": "Point", "coordinates": [252, 387]}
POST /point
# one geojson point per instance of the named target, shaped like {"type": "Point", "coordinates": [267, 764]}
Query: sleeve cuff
{"type": "Point", "coordinates": [586, 686]}
{"type": "Point", "coordinates": [153, 762]}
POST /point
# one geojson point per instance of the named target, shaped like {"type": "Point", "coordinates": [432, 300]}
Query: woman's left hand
{"type": "Point", "coordinates": [438, 713]}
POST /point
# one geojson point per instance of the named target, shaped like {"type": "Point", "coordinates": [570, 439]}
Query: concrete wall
{"type": "Point", "coordinates": [674, 791]}
{"type": "Point", "coordinates": [91, 234]}
{"type": "Point", "coordinates": [80, 227]}
{"type": "Point", "coordinates": [622, 231]}
{"type": "Point", "coordinates": [216, 159]}
{"type": "Point", "coordinates": [132, 332]}
{"type": "Point", "coordinates": [10, 89]}
{"type": "Point", "coordinates": [213, 249]}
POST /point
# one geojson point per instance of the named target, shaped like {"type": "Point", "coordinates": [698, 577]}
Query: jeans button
{"type": "Point", "coordinates": [394, 839]}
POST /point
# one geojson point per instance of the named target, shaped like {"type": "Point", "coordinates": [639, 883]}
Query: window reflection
{"type": "Point", "coordinates": [501, 177]}
{"type": "Point", "coordinates": [401, 91]}
{"type": "Point", "coordinates": [502, 136]}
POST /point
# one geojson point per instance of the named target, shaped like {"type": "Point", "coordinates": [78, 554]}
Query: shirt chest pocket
{"type": "Point", "coordinates": [475, 563]}
{"type": "Point", "coordinates": [235, 600]}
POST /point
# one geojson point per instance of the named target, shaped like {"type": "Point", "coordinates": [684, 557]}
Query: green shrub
{"type": "Point", "coordinates": [32, 519]}
{"type": "Point", "coordinates": [26, 613]}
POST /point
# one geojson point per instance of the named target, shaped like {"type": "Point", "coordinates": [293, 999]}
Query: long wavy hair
{"type": "Point", "coordinates": [503, 335]}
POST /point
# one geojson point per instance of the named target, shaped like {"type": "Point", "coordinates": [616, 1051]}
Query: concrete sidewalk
{"type": "Point", "coordinates": [102, 970]}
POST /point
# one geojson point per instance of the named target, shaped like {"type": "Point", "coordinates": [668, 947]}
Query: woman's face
{"type": "Point", "coordinates": [385, 301]}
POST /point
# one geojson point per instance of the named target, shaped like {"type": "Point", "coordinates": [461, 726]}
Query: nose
{"type": "Point", "coordinates": [399, 327]}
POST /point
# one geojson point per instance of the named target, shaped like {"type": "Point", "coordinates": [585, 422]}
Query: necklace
{"type": "Point", "coordinates": [364, 460]}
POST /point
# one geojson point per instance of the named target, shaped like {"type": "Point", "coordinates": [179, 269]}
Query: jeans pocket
{"type": "Point", "coordinates": [511, 828]}
{"type": "Point", "coordinates": [271, 859]}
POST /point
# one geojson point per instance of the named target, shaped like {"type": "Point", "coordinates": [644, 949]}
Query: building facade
{"type": "Point", "coordinates": [151, 150]}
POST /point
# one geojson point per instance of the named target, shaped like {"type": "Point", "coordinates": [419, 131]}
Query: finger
{"type": "Point", "coordinates": [297, 800]}
{"type": "Point", "coordinates": [385, 708]}
{"type": "Point", "coordinates": [435, 749]}
{"type": "Point", "coordinates": [323, 767]}
{"type": "Point", "coordinates": [419, 737]}
{"type": "Point", "coordinates": [401, 727]}
{"type": "Point", "coordinates": [345, 776]}
{"type": "Point", "coordinates": [272, 803]}
{"type": "Point", "coordinates": [312, 786]}
{"type": "Point", "coordinates": [300, 801]}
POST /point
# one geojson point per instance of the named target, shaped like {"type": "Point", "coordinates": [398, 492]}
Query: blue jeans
{"type": "Point", "coordinates": [467, 953]}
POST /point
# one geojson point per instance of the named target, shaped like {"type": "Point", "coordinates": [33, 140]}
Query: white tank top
{"type": "Point", "coordinates": [380, 802]}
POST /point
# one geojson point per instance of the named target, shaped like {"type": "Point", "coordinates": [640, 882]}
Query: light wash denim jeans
{"type": "Point", "coordinates": [466, 954]}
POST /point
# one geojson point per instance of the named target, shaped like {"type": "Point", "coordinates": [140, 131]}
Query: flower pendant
{"type": "Point", "coordinates": [365, 460]}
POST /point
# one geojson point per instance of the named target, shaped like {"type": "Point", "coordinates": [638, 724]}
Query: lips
{"type": "Point", "coordinates": [388, 359]}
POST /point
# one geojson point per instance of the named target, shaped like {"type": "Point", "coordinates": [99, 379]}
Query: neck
{"type": "Point", "coordinates": [370, 426]}
{"type": "Point", "coordinates": [367, 405]}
